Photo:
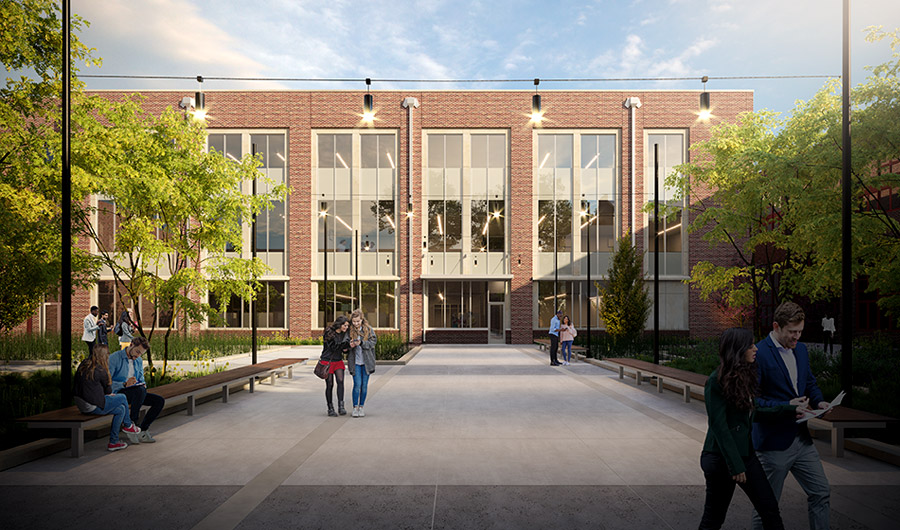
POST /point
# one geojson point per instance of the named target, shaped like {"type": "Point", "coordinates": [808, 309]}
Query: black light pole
{"type": "Point", "coordinates": [324, 213]}
{"type": "Point", "coordinates": [358, 296]}
{"type": "Point", "coordinates": [253, 319]}
{"type": "Point", "coordinates": [847, 253]}
{"type": "Point", "coordinates": [65, 357]}
{"type": "Point", "coordinates": [555, 261]}
{"type": "Point", "coordinates": [656, 254]}
{"type": "Point", "coordinates": [590, 308]}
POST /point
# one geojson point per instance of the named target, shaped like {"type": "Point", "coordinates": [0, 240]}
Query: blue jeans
{"type": "Point", "coordinates": [360, 385]}
{"type": "Point", "coordinates": [567, 350]}
{"type": "Point", "coordinates": [802, 460]}
{"type": "Point", "coordinates": [117, 405]}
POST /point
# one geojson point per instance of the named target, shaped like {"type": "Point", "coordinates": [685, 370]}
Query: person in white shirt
{"type": "Point", "coordinates": [90, 329]}
{"type": "Point", "coordinates": [828, 329]}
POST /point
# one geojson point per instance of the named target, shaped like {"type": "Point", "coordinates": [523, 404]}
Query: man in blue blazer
{"type": "Point", "coordinates": [784, 446]}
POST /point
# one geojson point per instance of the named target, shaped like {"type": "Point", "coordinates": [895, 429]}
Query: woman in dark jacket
{"type": "Point", "coordinates": [336, 344]}
{"type": "Point", "coordinates": [728, 457]}
{"type": "Point", "coordinates": [94, 395]}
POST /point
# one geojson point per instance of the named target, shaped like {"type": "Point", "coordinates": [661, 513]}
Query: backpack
{"type": "Point", "coordinates": [118, 329]}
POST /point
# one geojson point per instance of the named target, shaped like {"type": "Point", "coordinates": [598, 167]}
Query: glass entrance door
{"type": "Point", "coordinates": [497, 332]}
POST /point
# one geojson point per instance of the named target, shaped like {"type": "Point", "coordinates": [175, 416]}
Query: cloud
{"type": "Point", "coordinates": [719, 6]}
{"type": "Point", "coordinates": [170, 31]}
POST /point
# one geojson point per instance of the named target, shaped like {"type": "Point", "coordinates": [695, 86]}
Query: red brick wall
{"type": "Point", "coordinates": [300, 112]}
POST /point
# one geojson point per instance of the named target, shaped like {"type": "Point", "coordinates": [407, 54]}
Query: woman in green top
{"type": "Point", "coordinates": [728, 457]}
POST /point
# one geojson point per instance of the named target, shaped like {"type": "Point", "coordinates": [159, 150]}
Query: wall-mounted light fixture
{"type": "Point", "coordinates": [705, 112]}
{"type": "Point", "coordinates": [536, 114]}
{"type": "Point", "coordinates": [368, 104]}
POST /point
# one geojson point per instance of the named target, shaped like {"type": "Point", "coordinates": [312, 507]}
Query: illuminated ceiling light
{"type": "Point", "coordinates": [279, 155]}
{"type": "Point", "coordinates": [441, 296]}
{"type": "Point", "coordinates": [409, 210]}
{"type": "Point", "coordinates": [342, 222]}
{"type": "Point", "coordinates": [391, 221]}
{"type": "Point", "coordinates": [368, 104]}
{"type": "Point", "coordinates": [484, 230]}
{"type": "Point", "coordinates": [544, 161]}
{"type": "Point", "coordinates": [367, 247]}
{"type": "Point", "coordinates": [391, 160]}
{"type": "Point", "coordinates": [596, 157]}
{"type": "Point", "coordinates": [536, 114]}
{"type": "Point", "coordinates": [496, 215]}
{"type": "Point", "coordinates": [323, 213]}
{"type": "Point", "coordinates": [705, 112]}
{"type": "Point", "coordinates": [582, 213]}
{"type": "Point", "coordinates": [231, 156]}
{"type": "Point", "coordinates": [342, 161]}
{"type": "Point", "coordinates": [440, 226]}
{"type": "Point", "coordinates": [541, 220]}
{"type": "Point", "coordinates": [589, 221]}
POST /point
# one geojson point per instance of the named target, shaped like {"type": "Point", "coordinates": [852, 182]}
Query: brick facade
{"type": "Point", "coordinates": [300, 113]}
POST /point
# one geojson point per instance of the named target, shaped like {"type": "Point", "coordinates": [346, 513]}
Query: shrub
{"type": "Point", "coordinates": [624, 303]}
{"type": "Point", "coordinates": [390, 347]}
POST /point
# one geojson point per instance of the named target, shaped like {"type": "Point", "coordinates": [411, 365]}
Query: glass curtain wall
{"type": "Point", "coordinates": [444, 203]}
{"type": "Point", "coordinates": [377, 298]}
{"type": "Point", "coordinates": [356, 200]}
{"type": "Point", "coordinates": [454, 304]}
{"type": "Point", "coordinates": [271, 309]}
{"type": "Point", "coordinates": [671, 154]}
{"type": "Point", "coordinates": [487, 201]}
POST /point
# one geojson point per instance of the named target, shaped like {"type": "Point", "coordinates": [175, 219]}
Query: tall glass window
{"type": "Point", "coordinates": [554, 193]}
{"type": "Point", "coordinates": [444, 192]}
{"type": "Point", "coordinates": [270, 309]}
{"type": "Point", "coordinates": [376, 299]}
{"type": "Point", "coordinates": [270, 223]}
{"type": "Point", "coordinates": [378, 222]}
{"type": "Point", "coordinates": [671, 228]}
{"type": "Point", "coordinates": [457, 304]}
{"type": "Point", "coordinates": [488, 192]}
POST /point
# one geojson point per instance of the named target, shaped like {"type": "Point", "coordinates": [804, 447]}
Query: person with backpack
{"type": "Point", "coordinates": [125, 329]}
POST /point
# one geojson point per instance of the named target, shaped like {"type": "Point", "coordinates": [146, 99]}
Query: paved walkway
{"type": "Point", "coordinates": [462, 437]}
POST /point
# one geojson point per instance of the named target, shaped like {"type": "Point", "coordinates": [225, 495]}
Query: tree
{"type": "Point", "coordinates": [624, 302]}
{"type": "Point", "coordinates": [30, 147]}
{"type": "Point", "coordinates": [176, 208]}
{"type": "Point", "coordinates": [777, 202]}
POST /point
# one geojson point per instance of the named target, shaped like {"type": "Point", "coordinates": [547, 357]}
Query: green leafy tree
{"type": "Point", "coordinates": [777, 202]}
{"type": "Point", "coordinates": [30, 147]}
{"type": "Point", "coordinates": [176, 207]}
{"type": "Point", "coordinates": [624, 302]}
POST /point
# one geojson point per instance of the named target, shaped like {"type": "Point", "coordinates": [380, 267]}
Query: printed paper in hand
{"type": "Point", "coordinates": [809, 414]}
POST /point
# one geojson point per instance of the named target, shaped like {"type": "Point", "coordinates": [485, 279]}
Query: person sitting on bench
{"type": "Point", "coordinates": [94, 395]}
{"type": "Point", "coordinates": [127, 370]}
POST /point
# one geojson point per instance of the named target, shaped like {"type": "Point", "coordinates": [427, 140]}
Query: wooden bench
{"type": "Point", "coordinates": [840, 418]}
{"type": "Point", "coordinates": [664, 375]}
{"type": "Point", "coordinates": [544, 345]}
{"type": "Point", "coordinates": [189, 389]}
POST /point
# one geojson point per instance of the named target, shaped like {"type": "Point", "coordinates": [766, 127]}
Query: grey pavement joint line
{"type": "Point", "coordinates": [234, 510]}
{"type": "Point", "coordinates": [672, 423]}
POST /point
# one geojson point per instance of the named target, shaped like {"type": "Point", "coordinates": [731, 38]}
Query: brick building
{"type": "Point", "coordinates": [487, 233]}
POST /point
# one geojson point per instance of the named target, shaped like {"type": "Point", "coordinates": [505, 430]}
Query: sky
{"type": "Point", "coordinates": [489, 39]}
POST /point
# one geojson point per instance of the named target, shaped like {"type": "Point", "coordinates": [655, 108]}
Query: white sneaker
{"type": "Point", "coordinates": [361, 413]}
{"type": "Point", "coordinates": [355, 412]}
{"type": "Point", "coordinates": [145, 437]}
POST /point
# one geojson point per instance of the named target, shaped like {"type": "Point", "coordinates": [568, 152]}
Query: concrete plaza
{"type": "Point", "coordinates": [462, 437]}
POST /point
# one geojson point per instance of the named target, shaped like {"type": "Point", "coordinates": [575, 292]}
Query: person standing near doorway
{"type": "Point", "coordinates": [90, 330]}
{"type": "Point", "coordinates": [554, 337]}
{"type": "Point", "coordinates": [784, 446]}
